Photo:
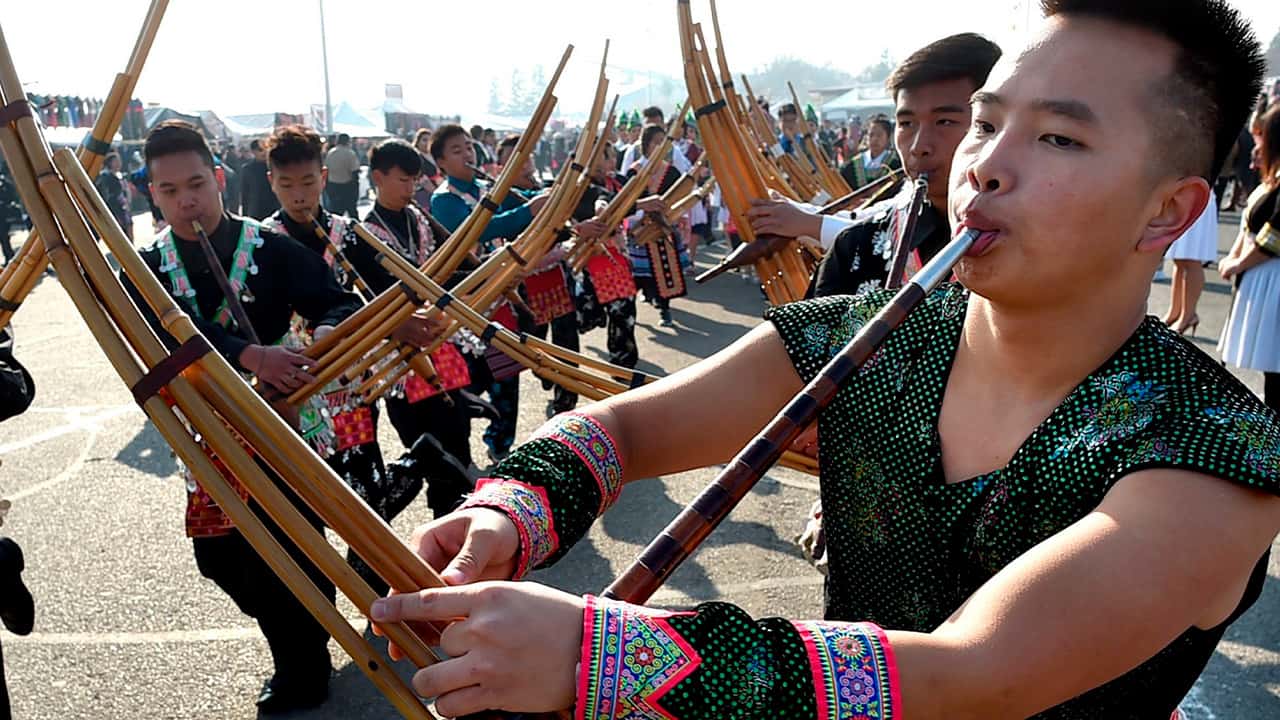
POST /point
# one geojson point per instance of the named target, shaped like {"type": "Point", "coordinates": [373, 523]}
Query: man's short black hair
{"type": "Point", "coordinates": [255, 145]}
{"type": "Point", "coordinates": [443, 134]}
{"type": "Point", "coordinates": [175, 136]}
{"type": "Point", "coordinates": [344, 139]}
{"type": "Point", "coordinates": [653, 114]}
{"type": "Point", "coordinates": [965, 56]}
{"type": "Point", "coordinates": [1199, 109]}
{"type": "Point", "coordinates": [507, 146]}
{"type": "Point", "coordinates": [395, 153]}
{"type": "Point", "coordinates": [477, 132]}
{"type": "Point", "coordinates": [787, 109]}
{"type": "Point", "coordinates": [294, 145]}
{"type": "Point", "coordinates": [650, 134]}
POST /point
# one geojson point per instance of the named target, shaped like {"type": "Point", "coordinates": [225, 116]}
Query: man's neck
{"type": "Point", "coordinates": [1045, 350]}
{"type": "Point", "coordinates": [390, 207]}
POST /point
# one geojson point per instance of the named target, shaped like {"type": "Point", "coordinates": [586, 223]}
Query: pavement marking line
{"type": "Point", "coordinates": [77, 424]}
{"type": "Point", "coordinates": [69, 472]}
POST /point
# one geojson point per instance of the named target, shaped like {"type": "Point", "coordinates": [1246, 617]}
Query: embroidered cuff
{"type": "Point", "coordinates": [631, 657]}
{"type": "Point", "coordinates": [1268, 240]}
{"type": "Point", "coordinates": [854, 673]}
{"type": "Point", "coordinates": [594, 446]}
{"type": "Point", "coordinates": [529, 509]}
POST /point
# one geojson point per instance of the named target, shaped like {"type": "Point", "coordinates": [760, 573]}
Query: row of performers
{"type": "Point", "coordinates": [288, 276]}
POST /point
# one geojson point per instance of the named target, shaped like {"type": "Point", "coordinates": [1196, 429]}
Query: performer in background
{"type": "Point", "coordinates": [276, 278]}
{"type": "Point", "coordinates": [451, 203]}
{"type": "Point", "coordinates": [547, 290]}
{"type": "Point", "coordinates": [608, 297]}
{"type": "Point", "coordinates": [878, 160]}
{"type": "Point", "coordinates": [1008, 482]}
{"type": "Point", "coordinates": [931, 90]}
{"type": "Point", "coordinates": [416, 409]}
{"type": "Point", "coordinates": [350, 445]}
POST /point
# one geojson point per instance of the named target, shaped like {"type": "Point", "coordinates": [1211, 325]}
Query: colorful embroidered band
{"type": "Point", "coordinates": [631, 657]}
{"type": "Point", "coordinates": [529, 509]}
{"type": "Point", "coordinates": [594, 446]}
{"type": "Point", "coordinates": [854, 673]}
{"type": "Point", "coordinates": [1268, 240]}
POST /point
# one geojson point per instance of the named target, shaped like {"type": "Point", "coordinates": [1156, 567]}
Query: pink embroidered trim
{"type": "Point", "coordinates": [631, 658]}
{"type": "Point", "coordinates": [530, 510]}
{"type": "Point", "coordinates": [594, 446]}
{"type": "Point", "coordinates": [854, 672]}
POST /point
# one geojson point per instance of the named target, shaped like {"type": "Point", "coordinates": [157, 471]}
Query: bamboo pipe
{"type": "Point", "coordinates": [683, 535]}
{"type": "Point", "coordinates": [52, 191]}
{"type": "Point", "coordinates": [336, 503]}
{"type": "Point", "coordinates": [21, 275]}
{"type": "Point", "coordinates": [110, 290]}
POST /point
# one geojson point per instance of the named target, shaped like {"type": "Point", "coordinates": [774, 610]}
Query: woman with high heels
{"type": "Point", "coordinates": [1251, 337]}
{"type": "Point", "coordinates": [1197, 246]}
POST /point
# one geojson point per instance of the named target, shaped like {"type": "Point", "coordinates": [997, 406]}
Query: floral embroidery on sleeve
{"type": "Point", "coordinates": [631, 657]}
{"type": "Point", "coordinates": [593, 445]}
{"type": "Point", "coordinates": [854, 674]}
{"type": "Point", "coordinates": [530, 510]}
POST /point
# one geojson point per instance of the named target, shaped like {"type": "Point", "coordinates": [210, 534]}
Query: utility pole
{"type": "Point", "coordinates": [324, 53]}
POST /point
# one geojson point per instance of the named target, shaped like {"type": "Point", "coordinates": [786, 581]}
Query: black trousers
{"type": "Point", "coordinates": [298, 643]}
{"type": "Point", "coordinates": [344, 197]}
{"type": "Point", "coordinates": [564, 332]}
{"type": "Point", "coordinates": [448, 424]}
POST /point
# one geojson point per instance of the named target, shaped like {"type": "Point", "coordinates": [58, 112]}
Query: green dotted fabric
{"type": "Point", "coordinates": [571, 488]}
{"type": "Point", "coordinates": [906, 549]}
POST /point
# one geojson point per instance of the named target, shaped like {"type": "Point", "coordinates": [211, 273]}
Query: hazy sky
{"type": "Point", "coordinates": [241, 56]}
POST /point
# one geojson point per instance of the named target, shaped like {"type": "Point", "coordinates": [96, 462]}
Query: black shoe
{"type": "Point", "coordinates": [17, 609]}
{"type": "Point", "coordinates": [551, 409]}
{"type": "Point", "coordinates": [477, 407]}
{"type": "Point", "coordinates": [281, 697]}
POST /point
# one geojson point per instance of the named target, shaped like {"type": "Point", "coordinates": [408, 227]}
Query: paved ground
{"type": "Point", "coordinates": [126, 628]}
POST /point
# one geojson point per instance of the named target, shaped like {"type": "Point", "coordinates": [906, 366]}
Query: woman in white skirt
{"type": "Point", "coordinates": [1197, 246]}
{"type": "Point", "coordinates": [1251, 337]}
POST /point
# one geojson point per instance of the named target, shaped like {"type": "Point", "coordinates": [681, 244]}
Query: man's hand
{"type": "Point", "coordinates": [653, 204]}
{"type": "Point", "coordinates": [419, 331]}
{"type": "Point", "coordinates": [514, 646]}
{"type": "Point", "coordinates": [589, 229]}
{"type": "Point", "coordinates": [779, 217]}
{"type": "Point", "coordinates": [469, 545]}
{"type": "Point", "coordinates": [279, 367]}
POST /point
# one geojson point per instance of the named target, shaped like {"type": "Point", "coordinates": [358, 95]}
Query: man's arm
{"type": "Point", "coordinates": [1093, 601]}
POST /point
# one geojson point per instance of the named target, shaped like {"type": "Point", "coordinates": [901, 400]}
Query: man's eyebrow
{"type": "Point", "coordinates": [942, 109]}
{"type": "Point", "coordinates": [1073, 109]}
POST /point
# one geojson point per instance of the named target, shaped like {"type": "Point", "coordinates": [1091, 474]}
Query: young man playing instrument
{"type": "Point", "coordinates": [273, 278]}
{"type": "Point", "coordinates": [294, 158]}
{"type": "Point", "coordinates": [451, 203]}
{"type": "Point", "coordinates": [416, 409]}
{"type": "Point", "coordinates": [1041, 502]}
{"type": "Point", "coordinates": [931, 89]}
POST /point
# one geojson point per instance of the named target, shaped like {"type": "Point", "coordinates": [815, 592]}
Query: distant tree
{"type": "Point", "coordinates": [515, 95]}
{"type": "Point", "coordinates": [879, 71]}
{"type": "Point", "coordinates": [495, 100]}
{"type": "Point", "coordinates": [1273, 56]}
{"type": "Point", "coordinates": [771, 80]}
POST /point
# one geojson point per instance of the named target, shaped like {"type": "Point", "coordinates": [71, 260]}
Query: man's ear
{"type": "Point", "coordinates": [1181, 204]}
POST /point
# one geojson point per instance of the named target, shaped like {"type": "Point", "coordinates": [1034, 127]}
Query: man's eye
{"type": "Point", "coordinates": [1061, 141]}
